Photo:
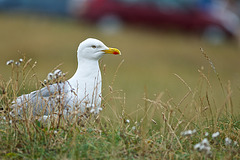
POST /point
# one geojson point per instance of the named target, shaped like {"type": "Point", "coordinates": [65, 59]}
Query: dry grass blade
{"type": "Point", "coordinates": [171, 130]}
{"type": "Point", "coordinates": [115, 75]}
{"type": "Point", "coordinates": [214, 68]}
{"type": "Point", "coordinates": [152, 131]}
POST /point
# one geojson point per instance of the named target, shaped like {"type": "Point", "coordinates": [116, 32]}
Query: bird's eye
{"type": "Point", "coordinates": [93, 46]}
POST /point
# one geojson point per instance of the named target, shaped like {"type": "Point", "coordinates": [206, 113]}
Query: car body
{"type": "Point", "coordinates": [53, 7]}
{"type": "Point", "coordinates": [157, 13]}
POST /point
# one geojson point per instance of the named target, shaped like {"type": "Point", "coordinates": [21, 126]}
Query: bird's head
{"type": "Point", "coordinates": [94, 49]}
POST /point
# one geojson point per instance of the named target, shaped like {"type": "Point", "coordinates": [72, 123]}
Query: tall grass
{"type": "Point", "coordinates": [198, 126]}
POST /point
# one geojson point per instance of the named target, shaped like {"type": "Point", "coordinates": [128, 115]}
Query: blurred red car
{"type": "Point", "coordinates": [157, 13]}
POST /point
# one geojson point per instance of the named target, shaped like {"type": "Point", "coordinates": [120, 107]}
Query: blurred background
{"type": "Point", "coordinates": [157, 38]}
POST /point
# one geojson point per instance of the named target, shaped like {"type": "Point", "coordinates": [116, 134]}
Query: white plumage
{"type": "Point", "coordinates": [81, 91]}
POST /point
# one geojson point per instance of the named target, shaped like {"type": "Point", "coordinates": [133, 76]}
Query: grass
{"type": "Point", "coordinates": [173, 90]}
{"type": "Point", "coordinates": [154, 131]}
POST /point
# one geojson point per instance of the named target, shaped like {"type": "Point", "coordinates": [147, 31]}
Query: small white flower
{"type": "Point", "coordinates": [235, 143]}
{"type": "Point", "coordinates": [45, 81]}
{"type": "Point", "coordinates": [203, 146]}
{"type": "Point", "coordinates": [92, 110]}
{"type": "Point", "coordinates": [20, 60]}
{"type": "Point", "coordinates": [216, 134]}
{"type": "Point", "coordinates": [184, 133]}
{"type": "Point", "coordinates": [57, 73]}
{"type": "Point", "coordinates": [133, 128]}
{"type": "Point", "coordinates": [44, 118]}
{"type": "Point", "coordinates": [17, 63]}
{"type": "Point", "coordinates": [58, 97]}
{"type": "Point", "coordinates": [194, 131]}
{"type": "Point", "coordinates": [188, 132]}
{"type": "Point", "coordinates": [228, 141]}
{"type": "Point", "coordinates": [55, 132]}
{"type": "Point", "coordinates": [127, 121]}
{"type": "Point", "coordinates": [208, 150]}
{"type": "Point", "coordinates": [205, 142]}
{"type": "Point", "coordinates": [50, 76]}
{"type": "Point", "coordinates": [197, 146]}
{"type": "Point", "coordinates": [206, 134]}
{"type": "Point", "coordinates": [9, 62]}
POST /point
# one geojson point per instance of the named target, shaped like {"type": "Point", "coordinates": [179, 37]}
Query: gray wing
{"type": "Point", "coordinates": [48, 99]}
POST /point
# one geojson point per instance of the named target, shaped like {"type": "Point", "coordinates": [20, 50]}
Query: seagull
{"type": "Point", "coordinates": [80, 93]}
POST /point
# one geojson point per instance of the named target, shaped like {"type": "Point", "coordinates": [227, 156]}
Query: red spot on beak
{"type": "Point", "coordinates": [115, 53]}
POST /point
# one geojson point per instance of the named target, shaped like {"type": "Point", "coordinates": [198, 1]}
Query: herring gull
{"type": "Point", "coordinates": [81, 91]}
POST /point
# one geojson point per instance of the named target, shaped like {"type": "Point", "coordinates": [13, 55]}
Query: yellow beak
{"type": "Point", "coordinates": [114, 51]}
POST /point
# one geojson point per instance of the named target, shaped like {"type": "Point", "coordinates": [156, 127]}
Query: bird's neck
{"type": "Point", "coordinates": [87, 70]}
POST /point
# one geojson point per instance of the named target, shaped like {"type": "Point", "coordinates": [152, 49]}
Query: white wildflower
{"type": "Point", "coordinates": [208, 150]}
{"type": "Point", "coordinates": [235, 143]}
{"type": "Point", "coordinates": [203, 146]}
{"type": "Point", "coordinates": [50, 76]}
{"type": "Point", "coordinates": [59, 96]}
{"type": "Point", "coordinates": [133, 128]}
{"type": "Point", "coordinates": [197, 146]}
{"type": "Point", "coordinates": [194, 131]}
{"type": "Point", "coordinates": [45, 81]}
{"type": "Point", "coordinates": [10, 62]}
{"type": "Point", "coordinates": [185, 133]}
{"type": "Point", "coordinates": [92, 110]}
{"type": "Point", "coordinates": [55, 132]}
{"type": "Point", "coordinates": [44, 118]}
{"type": "Point", "coordinates": [205, 142]}
{"type": "Point", "coordinates": [206, 134]}
{"type": "Point", "coordinates": [17, 63]}
{"type": "Point", "coordinates": [188, 132]}
{"type": "Point", "coordinates": [216, 134]}
{"type": "Point", "coordinates": [95, 110]}
{"type": "Point", "coordinates": [20, 60]}
{"type": "Point", "coordinates": [127, 121]}
{"type": "Point", "coordinates": [57, 73]}
{"type": "Point", "coordinates": [228, 141]}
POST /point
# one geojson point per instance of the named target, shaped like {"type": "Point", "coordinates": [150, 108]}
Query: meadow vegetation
{"type": "Point", "coordinates": [162, 102]}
